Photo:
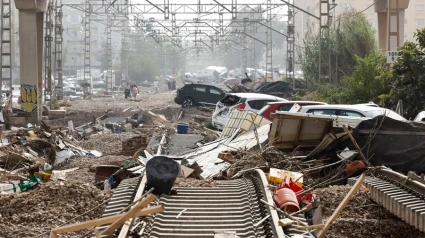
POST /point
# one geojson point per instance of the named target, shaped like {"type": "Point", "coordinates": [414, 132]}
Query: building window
{"type": "Point", "coordinates": [372, 22]}
{"type": "Point", "coordinates": [405, 36]}
{"type": "Point", "coordinates": [420, 22]}
{"type": "Point", "coordinates": [405, 21]}
{"type": "Point", "coordinates": [419, 7]}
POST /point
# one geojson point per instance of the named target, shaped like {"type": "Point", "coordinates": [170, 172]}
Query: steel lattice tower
{"type": "Point", "coordinates": [87, 70]}
{"type": "Point", "coordinates": [109, 54]}
{"type": "Point", "coordinates": [325, 53]}
{"type": "Point", "coordinates": [48, 39]}
{"type": "Point", "coordinates": [6, 47]}
{"type": "Point", "coordinates": [290, 47]}
{"type": "Point", "coordinates": [269, 42]}
{"type": "Point", "coordinates": [58, 49]}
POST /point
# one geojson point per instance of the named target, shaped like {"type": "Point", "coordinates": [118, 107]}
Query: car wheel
{"type": "Point", "coordinates": [188, 102]}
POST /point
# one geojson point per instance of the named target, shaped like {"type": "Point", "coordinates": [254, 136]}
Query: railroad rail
{"type": "Point", "coordinates": [232, 206]}
{"type": "Point", "coordinates": [400, 195]}
{"type": "Point", "coordinates": [121, 198]}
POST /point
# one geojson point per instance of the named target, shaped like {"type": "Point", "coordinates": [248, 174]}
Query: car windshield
{"type": "Point", "coordinates": [230, 100]}
{"type": "Point", "coordinates": [388, 113]}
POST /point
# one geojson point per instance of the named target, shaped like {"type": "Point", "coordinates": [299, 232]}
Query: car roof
{"type": "Point", "coordinates": [288, 102]}
{"type": "Point", "coordinates": [200, 84]}
{"type": "Point", "coordinates": [363, 108]}
{"type": "Point", "coordinates": [256, 96]}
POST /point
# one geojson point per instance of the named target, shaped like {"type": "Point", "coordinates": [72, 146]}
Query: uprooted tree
{"type": "Point", "coordinates": [352, 36]}
{"type": "Point", "coordinates": [406, 79]}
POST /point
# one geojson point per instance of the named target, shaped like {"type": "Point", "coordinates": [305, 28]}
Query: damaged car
{"type": "Point", "coordinates": [192, 95]}
{"type": "Point", "coordinates": [242, 101]}
{"type": "Point", "coordinates": [360, 111]}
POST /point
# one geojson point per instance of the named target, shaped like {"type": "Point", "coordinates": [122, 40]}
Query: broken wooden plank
{"type": "Point", "coordinates": [286, 222]}
{"type": "Point", "coordinates": [311, 227]}
{"type": "Point", "coordinates": [119, 222]}
{"type": "Point", "coordinates": [139, 194]}
{"type": "Point", "coordinates": [161, 144]}
{"type": "Point", "coordinates": [342, 205]}
{"type": "Point", "coordinates": [187, 171]}
{"type": "Point", "coordinates": [102, 221]}
{"type": "Point", "coordinates": [365, 160]}
{"type": "Point", "coordinates": [226, 156]}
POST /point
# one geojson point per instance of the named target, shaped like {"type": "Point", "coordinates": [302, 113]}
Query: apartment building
{"type": "Point", "coordinates": [73, 41]}
{"type": "Point", "coordinates": [414, 15]}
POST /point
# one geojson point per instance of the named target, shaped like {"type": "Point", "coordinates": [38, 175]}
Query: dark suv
{"type": "Point", "coordinates": [198, 94]}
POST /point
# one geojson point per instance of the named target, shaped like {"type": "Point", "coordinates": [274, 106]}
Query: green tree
{"type": "Point", "coordinates": [142, 59]}
{"type": "Point", "coordinates": [353, 36]}
{"type": "Point", "coordinates": [141, 69]}
{"type": "Point", "coordinates": [406, 79]}
{"type": "Point", "coordinates": [362, 85]}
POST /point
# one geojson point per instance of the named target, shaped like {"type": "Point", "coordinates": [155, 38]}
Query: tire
{"type": "Point", "coordinates": [188, 102]}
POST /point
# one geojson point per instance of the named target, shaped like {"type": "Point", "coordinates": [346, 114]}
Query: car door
{"type": "Point", "coordinates": [200, 93]}
{"type": "Point", "coordinates": [215, 95]}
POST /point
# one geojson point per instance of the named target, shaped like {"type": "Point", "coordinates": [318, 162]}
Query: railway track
{"type": "Point", "coordinates": [401, 196]}
{"type": "Point", "coordinates": [233, 206]}
{"type": "Point", "coordinates": [121, 198]}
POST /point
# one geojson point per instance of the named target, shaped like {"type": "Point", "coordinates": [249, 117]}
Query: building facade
{"type": "Point", "coordinates": [73, 42]}
{"type": "Point", "coordinates": [414, 17]}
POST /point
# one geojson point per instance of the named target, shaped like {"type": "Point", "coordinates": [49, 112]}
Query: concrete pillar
{"type": "Point", "coordinates": [388, 27]}
{"type": "Point", "coordinates": [31, 47]}
{"type": "Point", "coordinates": [29, 59]}
{"type": "Point", "coordinates": [40, 51]}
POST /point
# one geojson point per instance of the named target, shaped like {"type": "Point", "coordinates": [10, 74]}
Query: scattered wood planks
{"type": "Point", "coordinates": [116, 220]}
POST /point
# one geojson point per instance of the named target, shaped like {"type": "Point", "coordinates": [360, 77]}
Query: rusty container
{"type": "Point", "coordinates": [286, 199]}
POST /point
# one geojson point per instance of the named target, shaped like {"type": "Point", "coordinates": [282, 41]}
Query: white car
{"type": "Point", "coordinates": [420, 117]}
{"type": "Point", "coordinates": [243, 101]}
{"type": "Point", "coordinates": [366, 111]}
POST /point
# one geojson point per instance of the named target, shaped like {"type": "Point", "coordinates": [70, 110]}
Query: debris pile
{"type": "Point", "coordinates": [307, 154]}
{"type": "Point", "coordinates": [361, 205]}
{"type": "Point", "coordinates": [49, 205]}
{"type": "Point", "coordinates": [306, 160]}
{"type": "Point", "coordinates": [191, 182]}
{"type": "Point", "coordinates": [362, 217]}
{"type": "Point", "coordinates": [32, 147]}
{"type": "Point", "coordinates": [108, 143]}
